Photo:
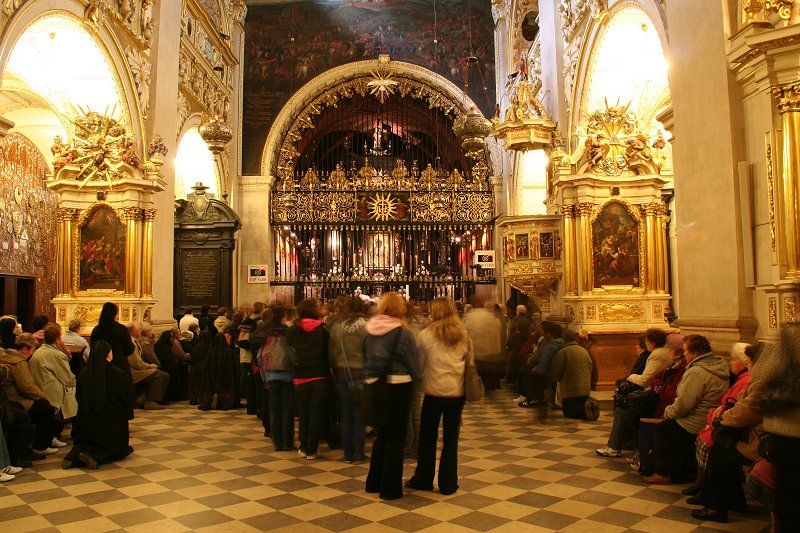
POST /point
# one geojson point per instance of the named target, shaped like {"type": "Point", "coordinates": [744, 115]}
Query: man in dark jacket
{"type": "Point", "coordinates": [572, 369]}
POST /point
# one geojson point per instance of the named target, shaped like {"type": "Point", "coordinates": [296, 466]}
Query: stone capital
{"type": "Point", "coordinates": [788, 97]}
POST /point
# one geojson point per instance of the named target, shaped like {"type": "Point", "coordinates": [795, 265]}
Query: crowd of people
{"type": "Point", "coordinates": [689, 415]}
{"type": "Point", "coordinates": [695, 417]}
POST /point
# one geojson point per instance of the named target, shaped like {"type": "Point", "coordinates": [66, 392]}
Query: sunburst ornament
{"type": "Point", "coordinates": [382, 207]}
{"type": "Point", "coordinates": [381, 86]}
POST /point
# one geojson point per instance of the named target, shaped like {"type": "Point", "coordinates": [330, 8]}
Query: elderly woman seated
{"type": "Point", "coordinates": [730, 441]}
{"type": "Point", "coordinates": [700, 390]}
{"type": "Point", "coordinates": [663, 351]}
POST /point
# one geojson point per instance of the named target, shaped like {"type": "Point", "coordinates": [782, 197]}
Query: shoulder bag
{"type": "Point", "coordinates": [473, 384]}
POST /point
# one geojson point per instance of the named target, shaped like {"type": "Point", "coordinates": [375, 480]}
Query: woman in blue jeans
{"type": "Point", "coordinates": [348, 363]}
{"type": "Point", "coordinates": [443, 349]}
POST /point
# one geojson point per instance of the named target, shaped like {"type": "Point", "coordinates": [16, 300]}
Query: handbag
{"type": "Point", "coordinates": [473, 384]}
{"type": "Point", "coordinates": [356, 387]}
{"type": "Point", "coordinates": [727, 436]}
{"type": "Point", "coordinates": [623, 393]}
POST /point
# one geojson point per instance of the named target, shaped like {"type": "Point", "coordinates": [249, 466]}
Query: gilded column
{"type": "Point", "coordinates": [570, 265]}
{"type": "Point", "coordinates": [662, 251]}
{"type": "Point", "coordinates": [651, 247]}
{"type": "Point", "coordinates": [147, 253]}
{"type": "Point", "coordinates": [66, 223]}
{"type": "Point", "coordinates": [585, 246]}
{"type": "Point", "coordinates": [789, 106]}
{"type": "Point", "coordinates": [132, 216]}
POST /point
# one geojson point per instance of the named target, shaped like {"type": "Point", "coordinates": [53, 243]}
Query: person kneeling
{"type": "Point", "coordinates": [572, 369]}
{"type": "Point", "coordinates": [104, 400]}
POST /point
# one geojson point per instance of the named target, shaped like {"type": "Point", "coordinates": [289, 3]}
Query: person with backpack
{"type": "Point", "coordinates": [274, 362]}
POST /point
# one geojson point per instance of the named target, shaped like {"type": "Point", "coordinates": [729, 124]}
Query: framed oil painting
{"type": "Point", "coordinates": [102, 252]}
{"type": "Point", "coordinates": [521, 246]}
{"type": "Point", "coordinates": [615, 243]}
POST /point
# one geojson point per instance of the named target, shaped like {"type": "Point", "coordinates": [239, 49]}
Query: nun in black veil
{"type": "Point", "coordinates": [117, 336]}
{"type": "Point", "coordinates": [105, 396]}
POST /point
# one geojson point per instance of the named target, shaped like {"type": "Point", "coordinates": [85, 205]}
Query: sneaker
{"type": "Point", "coordinates": [633, 458]}
{"type": "Point", "coordinates": [311, 457]}
{"type": "Point", "coordinates": [608, 452]}
{"type": "Point", "coordinates": [57, 443]}
{"type": "Point", "coordinates": [6, 477]}
{"type": "Point", "coordinates": [635, 466]}
{"type": "Point", "coordinates": [519, 398]}
{"type": "Point", "coordinates": [302, 454]}
{"type": "Point", "coordinates": [13, 470]}
{"type": "Point", "coordinates": [46, 451]}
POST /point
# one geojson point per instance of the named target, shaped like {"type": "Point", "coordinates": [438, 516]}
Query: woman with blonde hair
{"type": "Point", "coordinates": [443, 349]}
{"type": "Point", "coordinates": [390, 358]}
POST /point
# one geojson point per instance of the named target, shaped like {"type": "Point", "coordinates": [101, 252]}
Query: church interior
{"type": "Point", "coordinates": [613, 165]}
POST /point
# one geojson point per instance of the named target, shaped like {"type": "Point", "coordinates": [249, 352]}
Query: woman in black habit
{"type": "Point", "coordinates": [117, 336]}
{"type": "Point", "coordinates": [222, 368]}
{"type": "Point", "coordinates": [105, 396]}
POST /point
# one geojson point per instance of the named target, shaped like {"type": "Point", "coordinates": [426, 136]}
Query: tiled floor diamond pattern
{"type": "Point", "coordinates": [214, 471]}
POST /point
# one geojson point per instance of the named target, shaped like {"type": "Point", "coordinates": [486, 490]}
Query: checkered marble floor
{"type": "Point", "coordinates": [214, 471]}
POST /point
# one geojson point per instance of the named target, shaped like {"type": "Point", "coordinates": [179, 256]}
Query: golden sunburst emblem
{"type": "Point", "coordinates": [382, 207]}
{"type": "Point", "coordinates": [381, 86]}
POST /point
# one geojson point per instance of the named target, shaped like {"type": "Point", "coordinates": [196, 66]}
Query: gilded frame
{"type": "Point", "coordinates": [77, 247]}
{"type": "Point", "coordinates": [633, 212]}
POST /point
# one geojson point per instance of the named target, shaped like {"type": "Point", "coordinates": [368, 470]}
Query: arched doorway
{"type": "Point", "coordinates": [52, 69]}
{"type": "Point", "coordinates": [373, 190]}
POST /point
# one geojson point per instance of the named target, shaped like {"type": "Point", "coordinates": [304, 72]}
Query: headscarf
{"type": "Point", "coordinates": [7, 327]}
{"type": "Point", "coordinates": [165, 339]}
{"type": "Point", "coordinates": [108, 313]}
{"type": "Point", "coordinates": [675, 343]}
{"type": "Point", "coordinates": [94, 376]}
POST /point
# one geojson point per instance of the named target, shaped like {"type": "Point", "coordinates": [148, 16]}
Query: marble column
{"type": "Point", "coordinates": [163, 120]}
{"type": "Point", "coordinates": [708, 121]}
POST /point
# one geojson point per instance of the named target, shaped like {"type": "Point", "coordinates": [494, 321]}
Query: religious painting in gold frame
{"type": "Point", "coordinates": [100, 256]}
{"type": "Point", "coordinates": [379, 253]}
{"type": "Point", "coordinates": [615, 247]}
{"type": "Point", "coordinates": [521, 246]}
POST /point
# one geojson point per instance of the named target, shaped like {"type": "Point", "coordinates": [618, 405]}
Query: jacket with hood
{"type": "Point", "coordinates": [347, 334]}
{"type": "Point", "coordinates": [389, 351]}
{"type": "Point", "coordinates": [700, 389]}
{"type": "Point", "coordinates": [309, 338]}
{"type": "Point", "coordinates": [274, 330]}
{"type": "Point", "coordinates": [19, 386]}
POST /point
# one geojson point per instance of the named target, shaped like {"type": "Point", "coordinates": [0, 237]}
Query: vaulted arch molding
{"type": "Point", "coordinates": [29, 13]}
{"type": "Point", "coordinates": [590, 44]}
{"type": "Point", "coordinates": [437, 90]}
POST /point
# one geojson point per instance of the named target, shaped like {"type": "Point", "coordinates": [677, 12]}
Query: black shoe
{"type": "Point", "coordinates": [696, 500]}
{"type": "Point", "coordinates": [88, 460]}
{"type": "Point", "coordinates": [36, 456]}
{"type": "Point", "coordinates": [23, 463]}
{"type": "Point", "coordinates": [412, 485]}
{"type": "Point", "coordinates": [66, 464]}
{"type": "Point", "coordinates": [692, 490]}
{"type": "Point", "coordinates": [448, 492]}
{"type": "Point", "coordinates": [710, 515]}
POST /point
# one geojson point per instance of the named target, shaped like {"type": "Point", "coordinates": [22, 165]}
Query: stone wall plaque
{"type": "Point", "coordinates": [200, 276]}
{"type": "Point", "coordinates": [204, 242]}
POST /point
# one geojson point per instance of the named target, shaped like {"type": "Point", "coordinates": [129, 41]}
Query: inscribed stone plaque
{"type": "Point", "coordinates": [200, 275]}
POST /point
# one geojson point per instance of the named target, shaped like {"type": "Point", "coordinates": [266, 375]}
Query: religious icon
{"type": "Point", "coordinates": [521, 245]}
{"type": "Point", "coordinates": [546, 245]}
{"type": "Point", "coordinates": [102, 259]}
{"type": "Point", "coordinates": [616, 247]}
